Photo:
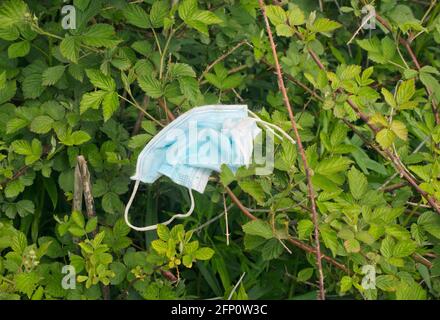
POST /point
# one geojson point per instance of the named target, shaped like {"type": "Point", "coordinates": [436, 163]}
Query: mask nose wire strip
{"type": "Point", "coordinates": [154, 227]}
{"type": "Point", "coordinates": [269, 127]}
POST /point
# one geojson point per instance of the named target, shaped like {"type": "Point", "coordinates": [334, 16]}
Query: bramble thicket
{"type": "Point", "coordinates": [351, 212]}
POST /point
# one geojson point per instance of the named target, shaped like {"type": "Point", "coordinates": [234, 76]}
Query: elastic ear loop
{"type": "Point", "coordinates": [269, 127]}
{"type": "Point", "coordinates": [154, 227]}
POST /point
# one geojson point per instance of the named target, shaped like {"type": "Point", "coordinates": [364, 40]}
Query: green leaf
{"type": "Point", "coordinates": [332, 165]}
{"type": "Point", "coordinates": [399, 129]}
{"type": "Point", "coordinates": [226, 175]}
{"type": "Point", "coordinates": [358, 183]}
{"type": "Point", "coordinates": [26, 282]}
{"type": "Point", "coordinates": [276, 14]}
{"type": "Point", "coordinates": [16, 124]}
{"type": "Point", "coordinates": [389, 98]}
{"type": "Point", "coordinates": [159, 246]}
{"type": "Point", "coordinates": [404, 249]}
{"type": "Point", "coordinates": [52, 75]}
{"type": "Point", "coordinates": [41, 124]}
{"type": "Point", "coordinates": [25, 207]}
{"type": "Point", "coordinates": [92, 100]}
{"type": "Point", "coordinates": [12, 12]}
{"type": "Point", "coordinates": [100, 35]}
{"type": "Point", "coordinates": [159, 11]}
{"type": "Point", "coordinates": [410, 291]}
{"type": "Point", "coordinates": [284, 30]}
{"type": "Point", "coordinates": [346, 284]}
{"type": "Point", "coordinates": [91, 225]}
{"type": "Point", "coordinates": [79, 137]}
{"type": "Point", "coordinates": [163, 232]}
{"type": "Point", "coordinates": [295, 16]}
{"type": "Point", "coordinates": [272, 249]}
{"type": "Point", "coordinates": [150, 85]}
{"type": "Point", "coordinates": [385, 138]}
{"type": "Point", "coordinates": [3, 80]}
{"type": "Point", "coordinates": [430, 222]}
{"type": "Point", "coordinates": [19, 49]}
{"type": "Point", "coordinates": [258, 228]}
{"type": "Point", "coordinates": [100, 80]}
{"type": "Point", "coordinates": [22, 147]}
{"type": "Point", "coordinates": [14, 188]}
{"type": "Point", "coordinates": [330, 238]}
{"type": "Point", "coordinates": [110, 104]}
{"type": "Point", "coordinates": [136, 16]}
{"type": "Point", "coordinates": [189, 88]}
{"type": "Point", "coordinates": [78, 218]}
{"type": "Point", "coordinates": [178, 70]}
{"type": "Point", "coordinates": [70, 47]}
{"type": "Point", "coordinates": [187, 8]}
{"type": "Point", "coordinates": [206, 17]}
{"type": "Point", "coordinates": [324, 25]}
{"type": "Point", "coordinates": [305, 274]}
{"type": "Point", "coordinates": [405, 91]}
{"type": "Point", "coordinates": [305, 229]}
{"type": "Point", "coordinates": [352, 245]}
{"type": "Point", "coordinates": [431, 83]}
{"type": "Point", "coordinates": [253, 188]}
{"type": "Point", "coordinates": [386, 247]}
{"type": "Point", "coordinates": [204, 254]}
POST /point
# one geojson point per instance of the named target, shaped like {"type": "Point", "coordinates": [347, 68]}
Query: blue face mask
{"type": "Point", "coordinates": [194, 145]}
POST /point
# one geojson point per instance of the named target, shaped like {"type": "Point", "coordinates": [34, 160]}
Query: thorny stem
{"type": "Point", "coordinates": [311, 193]}
{"type": "Point", "coordinates": [416, 62]}
{"type": "Point", "coordinates": [297, 243]}
{"type": "Point", "coordinates": [221, 58]}
{"type": "Point", "coordinates": [394, 158]}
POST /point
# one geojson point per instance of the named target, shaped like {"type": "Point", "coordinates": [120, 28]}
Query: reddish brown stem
{"type": "Point", "coordinates": [165, 108]}
{"type": "Point", "coordinates": [297, 243]}
{"type": "Point", "coordinates": [311, 193]}
{"type": "Point", "coordinates": [416, 62]}
{"type": "Point", "coordinates": [386, 153]}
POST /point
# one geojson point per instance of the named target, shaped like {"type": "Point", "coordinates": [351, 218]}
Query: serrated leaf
{"type": "Point", "coordinates": [159, 11]}
{"type": "Point", "coordinates": [389, 98]}
{"type": "Point", "coordinates": [163, 232]}
{"type": "Point", "coordinates": [159, 246]}
{"type": "Point", "coordinates": [385, 138]}
{"type": "Point", "coordinates": [78, 218]}
{"type": "Point", "coordinates": [358, 183]}
{"type": "Point", "coordinates": [405, 91]}
{"type": "Point", "coordinates": [100, 35]}
{"type": "Point", "coordinates": [26, 282]}
{"type": "Point", "coordinates": [52, 75]}
{"type": "Point", "coordinates": [79, 137]}
{"type": "Point", "coordinates": [305, 229]}
{"type": "Point", "coordinates": [91, 100]}
{"type": "Point", "coordinates": [101, 80]}
{"type": "Point", "coordinates": [41, 124]}
{"type": "Point", "coordinates": [69, 48]}
{"type": "Point", "coordinates": [136, 16]}
{"type": "Point", "coordinates": [276, 14]}
{"type": "Point", "coordinates": [324, 25]}
{"type": "Point", "coordinates": [295, 16]}
{"type": "Point", "coordinates": [204, 254]}
{"type": "Point", "coordinates": [399, 129]}
{"type": "Point", "coordinates": [110, 104]}
{"type": "Point", "coordinates": [178, 70]}
{"type": "Point", "coordinates": [253, 188]}
{"type": "Point", "coordinates": [19, 49]}
{"type": "Point", "coordinates": [258, 228]}
{"type": "Point", "coordinates": [150, 85]}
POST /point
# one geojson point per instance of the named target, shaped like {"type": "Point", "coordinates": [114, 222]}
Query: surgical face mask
{"type": "Point", "coordinates": [194, 145]}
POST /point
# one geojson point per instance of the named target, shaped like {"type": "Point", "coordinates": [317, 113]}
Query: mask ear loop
{"type": "Point", "coordinates": [269, 127]}
{"type": "Point", "coordinates": [154, 227]}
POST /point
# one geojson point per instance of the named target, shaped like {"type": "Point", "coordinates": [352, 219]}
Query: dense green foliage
{"type": "Point", "coordinates": [102, 91]}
